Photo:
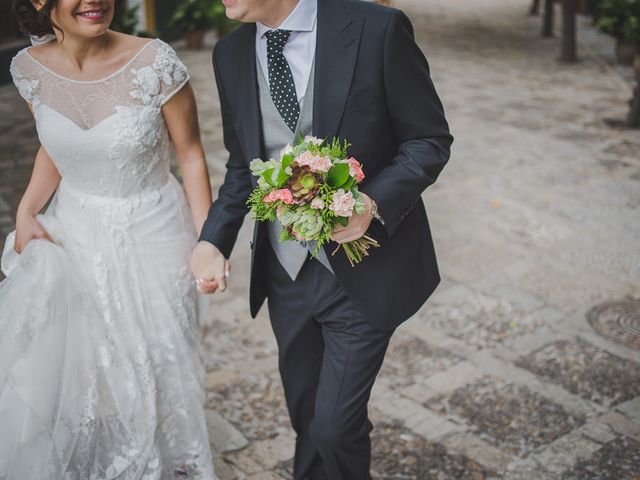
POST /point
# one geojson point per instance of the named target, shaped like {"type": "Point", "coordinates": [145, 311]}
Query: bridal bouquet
{"type": "Point", "coordinates": [311, 189]}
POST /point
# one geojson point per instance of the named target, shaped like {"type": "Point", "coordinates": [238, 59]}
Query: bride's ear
{"type": "Point", "coordinates": [38, 4]}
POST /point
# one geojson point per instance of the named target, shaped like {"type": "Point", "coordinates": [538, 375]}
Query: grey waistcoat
{"type": "Point", "coordinates": [276, 135]}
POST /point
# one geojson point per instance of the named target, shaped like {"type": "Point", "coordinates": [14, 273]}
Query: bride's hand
{"type": "Point", "coordinates": [27, 229]}
{"type": "Point", "coordinates": [210, 268]}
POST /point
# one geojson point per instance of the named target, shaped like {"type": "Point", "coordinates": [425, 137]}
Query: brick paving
{"type": "Point", "coordinates": [536, 221]}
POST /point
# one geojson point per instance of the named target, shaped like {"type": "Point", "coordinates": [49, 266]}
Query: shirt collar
{"type": "Point", "coordinates": [301, 19]}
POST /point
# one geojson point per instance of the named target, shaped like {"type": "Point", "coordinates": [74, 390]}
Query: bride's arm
{"type": "Point", "coordinates": [181, 116]}
{"type": "Point", "coordinates": [44, 181]}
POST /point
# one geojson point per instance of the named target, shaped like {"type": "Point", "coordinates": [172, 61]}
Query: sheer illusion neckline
{"type": "Point", "coordinates": [100, 80]}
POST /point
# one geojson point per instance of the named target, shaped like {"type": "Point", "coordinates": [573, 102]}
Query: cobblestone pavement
{"type": "Point", "coordinates": [525, 364]}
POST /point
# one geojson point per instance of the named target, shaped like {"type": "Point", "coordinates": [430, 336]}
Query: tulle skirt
{"type": "Point", "coordinates": [100, 368]}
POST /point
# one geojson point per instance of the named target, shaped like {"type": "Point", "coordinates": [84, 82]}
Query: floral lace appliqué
{"type": "Point", "coordinates": [28, 87]}
{"type": "Point", "coordinates": [167, 71]}
{"type": "Point", "coordinates": [140, 132]}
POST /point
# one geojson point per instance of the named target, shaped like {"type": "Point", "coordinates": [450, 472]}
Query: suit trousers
{"type": "Point", "coordinates": [329, 357]}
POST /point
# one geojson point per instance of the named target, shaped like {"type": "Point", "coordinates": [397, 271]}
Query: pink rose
{"type": "Point", "coordinates": [355, 169]}
{"type": "Point", "coordinates": [314, 162]}
{"type": "Point", "coordinates": [343, 203]}
{"type": "Point", "coordinates": [282, 194]}
{"type": "Point", "coordinates": [317, 203]}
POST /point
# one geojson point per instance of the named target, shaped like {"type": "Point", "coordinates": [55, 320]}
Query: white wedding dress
{"type": "Point", "coordinates": [100, 368]}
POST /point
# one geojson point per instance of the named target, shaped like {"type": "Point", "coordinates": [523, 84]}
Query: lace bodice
{"type": "Point", "coordinates": [107, 137]}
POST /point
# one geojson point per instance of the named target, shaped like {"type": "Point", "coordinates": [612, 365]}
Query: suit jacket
{"type": "Point", "coordinates": [372, 88]}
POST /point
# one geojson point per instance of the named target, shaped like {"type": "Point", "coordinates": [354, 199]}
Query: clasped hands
{"type": "Point", "coordinates": [211, 269]}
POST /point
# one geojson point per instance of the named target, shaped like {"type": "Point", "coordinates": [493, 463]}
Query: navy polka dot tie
{"type": "Point", "coordinates": [281, 84]}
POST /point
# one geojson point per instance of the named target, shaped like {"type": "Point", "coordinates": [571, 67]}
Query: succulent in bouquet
{"type": "Point", "coordinates": [311, 189]}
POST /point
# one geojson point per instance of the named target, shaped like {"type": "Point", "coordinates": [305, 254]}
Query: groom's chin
{"type": "Point", "coordinates": [233, 9]}
{"type": "Point", "coordinates": [241, 10]}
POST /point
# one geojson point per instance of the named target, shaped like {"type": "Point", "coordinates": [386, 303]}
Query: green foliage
{"type": "Point", "coordinates": [276, 177]}
{"type": "Point", "coordinates": [192, 15]}
{"type": "Point", "coordinates": [263, 212]}
{"type": "Point", "coordinates": [338, 175]}
{"type": "Point", "coordinates": [299, 220]}
{"type": "Point", "coordinates": [126, 21]}
{"type": "Point", "coordinates": [258, 167]}
{"type": "Point", "coordinates": [335, 150]}
{"type": "Point", "coordinates": [619, 18]}
{"type": "Point", "coordinates": [360, 206]}
{"type": "Point", "coordinates": [631, 27]}
{"type": "Point", "coordinates": [222, 23]}
{"type": "Point", "coordinates": [287, 160]}
{"type": "Point", "coordinates": [146, 34]}
{"type": "Point", "coordinates": [129, 20]}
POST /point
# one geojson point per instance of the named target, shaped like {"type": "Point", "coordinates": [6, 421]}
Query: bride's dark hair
{"type": "Point", "coordinates": [34, 22]}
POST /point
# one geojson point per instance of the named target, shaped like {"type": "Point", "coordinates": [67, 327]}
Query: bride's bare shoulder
{"type": "Point", "coordinates": [43, 51]}
{"type": "Point", "coordinates": [129, 44]}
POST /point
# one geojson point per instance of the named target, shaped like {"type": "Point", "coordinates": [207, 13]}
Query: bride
{"type": "Point", "coordinates": [100, 373]}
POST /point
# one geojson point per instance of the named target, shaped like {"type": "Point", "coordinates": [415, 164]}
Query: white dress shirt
{"type": "Point", "coordinates": [300, 50]}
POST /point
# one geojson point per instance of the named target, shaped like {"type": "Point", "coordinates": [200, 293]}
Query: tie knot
{"type": "Point", "coordinates": [277, 39]}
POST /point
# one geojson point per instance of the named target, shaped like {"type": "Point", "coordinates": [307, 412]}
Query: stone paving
{"type": "Point", "coordinates": [525, 364]}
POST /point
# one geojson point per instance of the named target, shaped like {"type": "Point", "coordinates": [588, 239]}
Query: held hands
{"type": "Point", "coordinates": [27, 229]}
{"type": "Point", "coordinates": [357, 226]}
{"type": "Point", "coordinates": [210, 268]}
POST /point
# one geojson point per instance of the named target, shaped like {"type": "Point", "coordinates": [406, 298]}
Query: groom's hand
{"type": "Point", "coordinates": [357, 226]}
{"type": "Point", "coordinates": [210, 268]}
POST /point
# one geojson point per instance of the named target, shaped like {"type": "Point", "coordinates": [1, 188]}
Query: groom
{"type": "Point", "coordinates": [350, 69]}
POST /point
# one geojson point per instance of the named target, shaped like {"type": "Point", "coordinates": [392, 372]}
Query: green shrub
{"type": "Point", "coordinates": [619, 18]}
{"type": "Point", "coordinates": [222, 23]}
{"type": "Point", "coordinates": [191, 15]}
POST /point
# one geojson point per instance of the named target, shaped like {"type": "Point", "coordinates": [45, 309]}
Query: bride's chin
{"type": "Point", "coordinates": [90, 33]}
{"type": "Point", "coordinates": [88, 30]}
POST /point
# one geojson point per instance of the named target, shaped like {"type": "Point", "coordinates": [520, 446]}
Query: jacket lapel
{"type": "Point", "coordinates": [336, 54]}
{"type": "Point", "coordinates": [248, 124]}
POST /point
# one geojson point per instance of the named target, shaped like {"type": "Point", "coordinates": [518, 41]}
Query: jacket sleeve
{"type": "Point", "coordinates": [228, 211]}
{"type": "Point", "coordinates": [419, 124]}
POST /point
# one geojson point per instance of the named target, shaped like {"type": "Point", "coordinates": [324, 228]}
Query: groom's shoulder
{"type": "Point", "coordinates": [231, 39]}
{"type": "Point", "coordinates": [377, 17]}
{"type": "Point", "coordinates": [370, 10]}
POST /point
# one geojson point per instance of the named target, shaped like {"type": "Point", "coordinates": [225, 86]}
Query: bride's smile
{"type": "Point", "coordinates": [93, 15]}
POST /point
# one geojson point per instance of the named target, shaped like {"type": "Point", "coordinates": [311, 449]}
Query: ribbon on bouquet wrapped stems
{"type": "Point", "coordinates": [358, 249]}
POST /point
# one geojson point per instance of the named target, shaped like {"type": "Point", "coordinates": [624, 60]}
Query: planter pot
{"type": "Point", "coordinates": [195, 39]}
{"type": "Point", "coordinates": [625, 52]}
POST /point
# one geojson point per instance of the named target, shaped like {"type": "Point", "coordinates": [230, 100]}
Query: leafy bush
{"type": "Point", "coordinates": [619, 18]}
{"type": "Point", "coordinates": [129, 20]}
{"type": "Point", "coordinates": [631, 28]}
{"type": "Point", "coordinates": [222, 23]}
{"type": "Point", "coordinates": [191, 15]}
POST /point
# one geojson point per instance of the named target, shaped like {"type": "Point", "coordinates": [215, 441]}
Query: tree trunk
{"type": "Point", "coordinates": [535, 7]}
{"type": "Point", "coordinates": [547, 23]}
{"type": "Point", "coordinates": [569, 11]}
{"type": "Point", "coordinates": [633, 118]}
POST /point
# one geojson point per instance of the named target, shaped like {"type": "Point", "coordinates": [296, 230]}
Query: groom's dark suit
{"type": "Point", "coordinates": [372, 87]}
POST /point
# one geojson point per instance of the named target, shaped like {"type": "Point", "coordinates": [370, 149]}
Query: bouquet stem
{"type": "Point", "coordinates": [358, 249]}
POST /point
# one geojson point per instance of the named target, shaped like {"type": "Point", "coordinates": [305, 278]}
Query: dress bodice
{"type": "Point", "coordinates": [106, 137]}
